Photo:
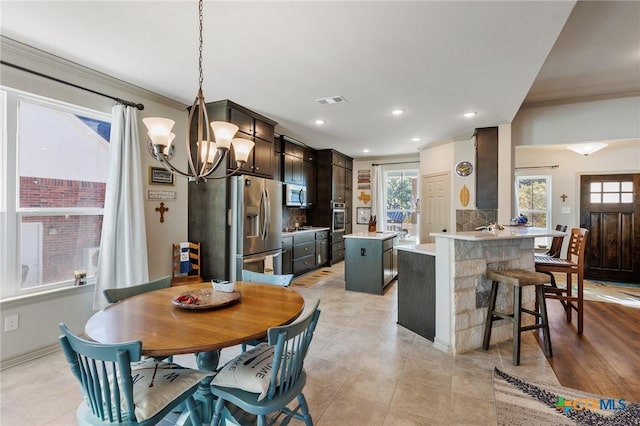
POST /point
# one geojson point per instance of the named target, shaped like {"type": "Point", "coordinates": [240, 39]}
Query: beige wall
{"type": "Point", "coordinates": [39, 315]}
{"type": "Point", "coordinates": [618, 157]}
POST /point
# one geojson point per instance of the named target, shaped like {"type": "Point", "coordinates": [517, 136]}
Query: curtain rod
{"type": "Point", "coordinates": [555, 166]}
{"type": "Point", "coordinates": [121, 101]}
{"type": "Point", "coordinates": [398, 162]}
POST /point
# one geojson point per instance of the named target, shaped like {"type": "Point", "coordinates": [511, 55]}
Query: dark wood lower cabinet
{"type": "Point", "coordinates": [304, 251]}
{"type": "Point", "coordinates": [417, 293]}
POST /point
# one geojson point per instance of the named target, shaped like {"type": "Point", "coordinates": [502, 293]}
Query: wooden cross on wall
{"type": "Point", "coordinates": [161, 210]}
{"type": "Point", "coordinates": [564, 197]}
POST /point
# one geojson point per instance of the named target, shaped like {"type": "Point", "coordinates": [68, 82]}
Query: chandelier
{"type": "Point", "coordinates": [204, 155]}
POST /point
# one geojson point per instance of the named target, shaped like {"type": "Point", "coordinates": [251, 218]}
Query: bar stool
{"type": "Point", "coordinates": [518, 278]}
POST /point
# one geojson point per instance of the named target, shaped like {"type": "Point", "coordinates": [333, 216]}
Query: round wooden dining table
{"type": "Point", "coordinates": [165, 329]}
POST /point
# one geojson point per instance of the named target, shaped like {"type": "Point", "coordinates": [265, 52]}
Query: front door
{"type": "Point", "coordinates": [610, 210]}
{"type": "Point", "coordinates": [434, 206]}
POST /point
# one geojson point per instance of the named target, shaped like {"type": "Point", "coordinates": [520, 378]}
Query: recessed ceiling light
{"type": "Point", "coordinates": [415, 139]}
{"type": "Point", "coordinates": [397, 112]}
{"type": "Point", "coordinates": [44, 148]}
{"type": "Point", "coordinates": [320, 122]}
{"type": "Point", "coordinates": [470, 114]}
{"type": "Point", "coordinates": [365, 150]}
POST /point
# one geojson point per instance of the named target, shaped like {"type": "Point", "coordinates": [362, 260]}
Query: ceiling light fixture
{"type": "Point", "coordinates": [204, 155]}
{"type": "Point", "coordinates": [320, 122]}
{"type": "Point", "coordinates": [365, 150]}
{"type": "Point", "coordinates": [416, 139]}
{"type": "Point", "coordinates": [470, 114]}
{"type": "Point", "coordinates": [397, 112]}
{"type": "Point", "coordinates": [587, 148]}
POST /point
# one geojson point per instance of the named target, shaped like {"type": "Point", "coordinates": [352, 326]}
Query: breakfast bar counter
{"type": "Point", "coordinates": [462, 291]}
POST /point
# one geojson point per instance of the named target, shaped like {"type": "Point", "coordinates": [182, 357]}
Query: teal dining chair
{"type": "Point", "coordinates": [115, 294]}
{"type": "Point", "coordinates": [282, 280]}
{"type": "Point", "coordinates": [266, 379]}
{"type": "Point", "coordinates": [120, 390]}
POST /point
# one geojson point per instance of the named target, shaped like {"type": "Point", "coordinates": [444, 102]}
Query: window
{"type": "Point", "coordinates": [53, 192]}
{"type": "Point", "coordinates": [401, 192]}
{"type": "Point", "coordinates": [534, 201]}
{"type": "Point", "coordinates": [611, 192]}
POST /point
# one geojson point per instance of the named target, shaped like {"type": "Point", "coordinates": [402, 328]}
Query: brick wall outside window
{"type": "Point", "coordinates": [65, 238]}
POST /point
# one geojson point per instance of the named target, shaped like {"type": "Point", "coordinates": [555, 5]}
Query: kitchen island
{"type": "Point", "coordinates": [370, 261]}
{"type": "Point", "coordinates": [462, 291]}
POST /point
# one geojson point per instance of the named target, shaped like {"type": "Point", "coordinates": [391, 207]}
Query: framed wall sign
{"type": "Point", "coordinates": [160, 176]}
{"type": "Point", "coordinates": [464, 168]}
{"type": "Point", "coordinates": [362, 215]}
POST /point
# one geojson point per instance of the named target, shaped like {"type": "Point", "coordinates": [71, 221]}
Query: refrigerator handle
{"type": "Point", "coordinates": [267, 218]}
{"type": "Point", "coordinates": [263, 214]}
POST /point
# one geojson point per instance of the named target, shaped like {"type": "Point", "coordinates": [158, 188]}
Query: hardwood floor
{"type": "Point", "coordinates": [605, 360]}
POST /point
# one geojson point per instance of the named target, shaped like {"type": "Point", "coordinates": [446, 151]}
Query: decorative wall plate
{"type": "Point", "coordinates": [464, 168]}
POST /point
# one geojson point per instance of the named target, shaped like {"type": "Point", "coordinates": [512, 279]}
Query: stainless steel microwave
{"type": "Point", "coordinates": [295, 195]}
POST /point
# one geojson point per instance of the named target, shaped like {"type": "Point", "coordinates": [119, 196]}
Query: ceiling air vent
{"type": "Point", "coordinates": [331, 100]}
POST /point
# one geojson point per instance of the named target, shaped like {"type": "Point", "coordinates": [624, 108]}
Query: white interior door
{"type": "Point", "coordinates": [434, 206]}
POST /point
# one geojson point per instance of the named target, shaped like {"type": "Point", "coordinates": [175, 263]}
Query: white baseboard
{"type": "Point", "coordinates": [12, 362]}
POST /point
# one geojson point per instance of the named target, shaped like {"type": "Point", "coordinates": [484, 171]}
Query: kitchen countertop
{"type": "Point", "coordinates": [372, 235]}
{"type": "Point", "coordinates": [508, 233]}
{"type": "Point", "coordinates": [429, 249]}
{"type": "Point", "coordinates": [305, 229]}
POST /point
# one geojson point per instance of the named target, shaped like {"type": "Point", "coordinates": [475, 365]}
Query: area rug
{"type": "Point", "coordinates": [314, 277]}
{"type": "Point", "coordinates": [520, 402]}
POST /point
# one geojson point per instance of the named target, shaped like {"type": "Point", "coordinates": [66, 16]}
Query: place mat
{"type": "Point", "coordinates": [205, 298]}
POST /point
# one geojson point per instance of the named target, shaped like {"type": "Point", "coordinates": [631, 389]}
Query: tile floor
{"type": "Point", "coordinates": [363, 369]}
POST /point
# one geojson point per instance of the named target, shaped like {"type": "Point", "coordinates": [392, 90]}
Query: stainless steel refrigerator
{"type": "Point", "coordinates": [256, 225]}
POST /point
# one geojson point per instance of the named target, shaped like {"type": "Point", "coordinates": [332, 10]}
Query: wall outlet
{"type": "Point", "coordinates": [566, 210]}
{"type": "Point", "coordinates": [11, 322]}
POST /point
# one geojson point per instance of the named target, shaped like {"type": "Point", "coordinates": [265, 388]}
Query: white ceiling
{"type": "Point", "coordinates": [435, 60]}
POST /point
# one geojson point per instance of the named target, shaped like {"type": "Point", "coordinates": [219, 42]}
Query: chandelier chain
{"type": "Point", "coordinates": [200, 7]}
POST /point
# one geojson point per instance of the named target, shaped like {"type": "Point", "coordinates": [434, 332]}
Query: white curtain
{"type": "Point", "coordinates": [123, 248]}
{"type": "Point", "coordinates": [378, 202]}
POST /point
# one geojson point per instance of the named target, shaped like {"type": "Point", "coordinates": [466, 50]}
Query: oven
{"type": "Point", "coordinates": [338, 214]}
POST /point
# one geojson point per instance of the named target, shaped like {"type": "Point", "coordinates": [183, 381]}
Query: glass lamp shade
{"type": "Point", "coordinates": [207, 157]}
{"type": "Point", "coordinates": [159, 131]}
{"type": "Point", "coordinates": [587, 148]}
{"type": "Point", "coordinates": [242, 149]}
{"type": "Point", "coordinates": [224, 133]}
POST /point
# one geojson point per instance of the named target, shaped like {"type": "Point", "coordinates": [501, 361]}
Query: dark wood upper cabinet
{"type": "Point", "coordinates": [263, 157]}
{"type": "Point", "coordinates": [486, 168]}
{"type": "Point", "coordinates": [263, 130]}
{"type": "Point", "coordinates": [253, 126]}
{"type": "Point", "coordinates": [242, 120]}
{"type": "Point", "coordinates": [292, 169]}
{"type": "Point", "coordinates": [309, 177]}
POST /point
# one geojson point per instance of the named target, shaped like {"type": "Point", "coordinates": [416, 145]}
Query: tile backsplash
{"type": "Point", "coordinates": [469, 220]}
{"type": "Point", "coordinates": [291, 216]}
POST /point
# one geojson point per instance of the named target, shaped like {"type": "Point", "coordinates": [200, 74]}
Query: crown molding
{"type": "Point", "coordinates": [32, 58]}
{"type": "Point", "coordinates": [579, 99]}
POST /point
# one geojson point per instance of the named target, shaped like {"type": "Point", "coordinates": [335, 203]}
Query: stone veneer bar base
{"type": "Point", "coordinates": [462, 290]}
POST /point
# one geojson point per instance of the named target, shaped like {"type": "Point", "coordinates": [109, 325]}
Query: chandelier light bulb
{"type": "Point", "coordinates": [224, 133]}
{"type": "Point", "coordinates": [242, 149]}
{"type": "Point", "coordinates": [207, 151]}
